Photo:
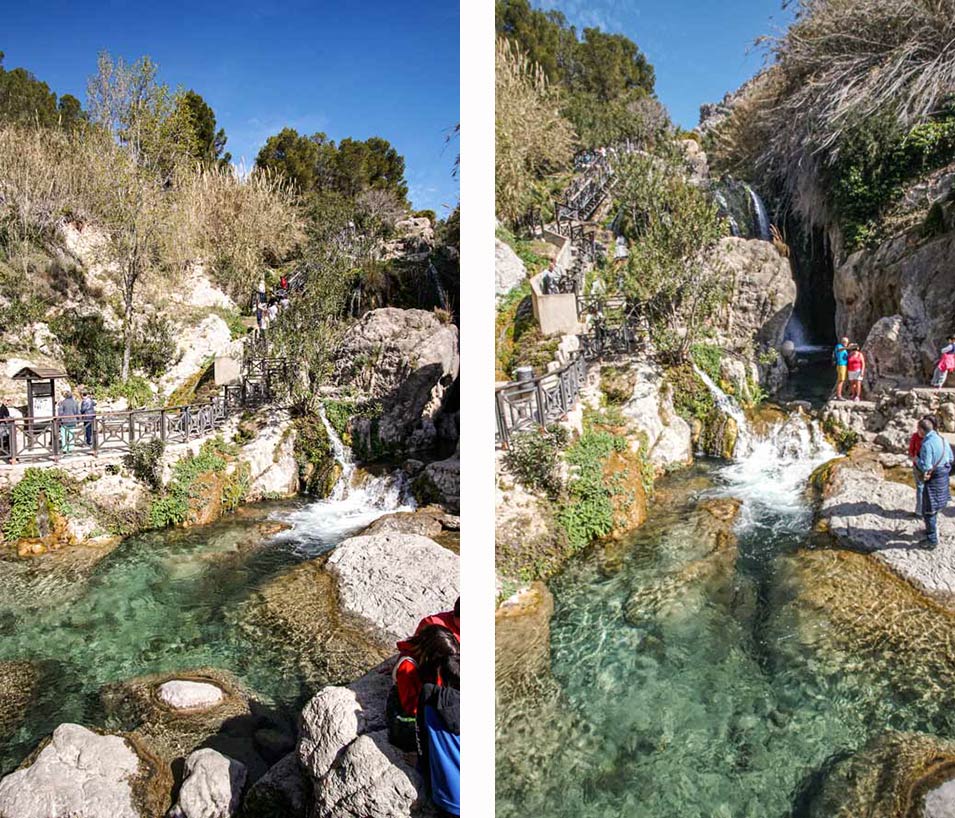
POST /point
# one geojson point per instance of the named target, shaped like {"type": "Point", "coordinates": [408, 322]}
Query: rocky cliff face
{"type": "Point", "coordinates": [897, 298]}
{"type": "Point", "coordinates": [406, 362]}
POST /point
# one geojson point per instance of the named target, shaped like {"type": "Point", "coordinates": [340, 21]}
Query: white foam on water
{"type": "Point", "coordinates": [356, 501]}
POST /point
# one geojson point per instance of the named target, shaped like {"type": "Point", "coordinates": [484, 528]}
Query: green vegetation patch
{"type": "Point", "coordinates": [534, 459]}
{"type": "Point", "coordinates": [317, 469]}
{"type": "Point", "coordinates": [39, 490]}
{"type": "Point", "coordinates": [175, 506]}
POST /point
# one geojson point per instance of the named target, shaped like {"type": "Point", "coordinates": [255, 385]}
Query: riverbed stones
{"type": "Point", "coordinates": [81, 774]}
{"type": "Point", "coordinates": [283, 792]}
{"type": "Point", "coordinates": [393, 580]}
{"type": "Point", "coordinates": [522, 639]}
{"type": "Point", "coordinates": [212, 786]}
{"type": "Point", "coordinates": [353, 770]}
{"type": "Point", "coordinates": [19, 683]}
{"type": "Point", "coordinates": [185, 694]}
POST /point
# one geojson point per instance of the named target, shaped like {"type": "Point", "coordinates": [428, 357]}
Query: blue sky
{"type": "Point", "coordinates": [373, 68]}
{"type": "Point", "coordinates": [700, 49]}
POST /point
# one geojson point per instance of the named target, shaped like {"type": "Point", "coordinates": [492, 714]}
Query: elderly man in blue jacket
{"type": "Point", "coordinates": [935, 465]}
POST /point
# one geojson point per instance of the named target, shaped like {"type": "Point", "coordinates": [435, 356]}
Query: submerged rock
{"type": "Point", "coordinates": [391, 581]}
{"type": "Point", "coordinates": [19, 683]}
{"type": "Point", "coordinates": [300, 607]}
{"type": "Point", "coordinates": [80, 774]}
{"type": "Point", "coordinates": [212, 786]}
{"type": "Point", "coordinates": [522, 640]}
{"type": "Point", "coordinates": [895, 775]}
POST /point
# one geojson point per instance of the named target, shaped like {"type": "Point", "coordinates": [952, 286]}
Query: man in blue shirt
{"type": "Point", "coordinates": [840, 357]}
{"type": "Point", "coordinates": [934, 463]}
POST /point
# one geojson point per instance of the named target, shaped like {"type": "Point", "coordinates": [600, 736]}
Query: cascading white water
{"type": "Point", "coordinates": [356, 501]}
{"type": "Point", "coordinates": [769, 471]}
{"type": "Point", "coordinates": [761, 216]}
{"type": "Point", "coordinates": [730, 407]}
{"type": "Point", "coordinates": [727, 211]}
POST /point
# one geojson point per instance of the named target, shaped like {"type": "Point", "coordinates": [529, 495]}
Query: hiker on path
{"type": "Point", "coordinates": [855, 367]}
{"type": "Point", "coordinates": [439, 737]}
{"type": "Point", "coordinates": [934, 464]}
{"type": "Point", "coordinates": [549, 279]}
{"type": "Point", "coordinates": [67, 409]}
{"type": "Point", "coordinates": [840, 357]}
{"type": "Point", "coordinates": [88, 411]}
{"type": "Point", "coordinates": [946, 363]}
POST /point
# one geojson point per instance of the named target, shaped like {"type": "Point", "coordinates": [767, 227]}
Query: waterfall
{"type": "Point", "coordinates": [342, 457]}
{"type": "Point", "coordinates": [760, 217]}
{"type": "Point", "coordinates": [357, 500]}
{"type": "Point", "coordinates": [436, 283]}
{"type": "Point", "coordinates": [729, 407]}
{"type": "Point", "coordinates": [727, 212]}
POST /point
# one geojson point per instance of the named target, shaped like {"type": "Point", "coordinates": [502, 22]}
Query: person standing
{"type": "Point", "coordinates": [67, 409]}
{"type": "Point", "coordinates": [88, 411]}
{"type": "Point", "coordinates": [840, 357]}
{"type": "Point", "coordinates": [915, 446]}
{"type": "Point", "coordinates": [946, 363]}
{"type": "Point", "coordinates": [934, 464]}
{"type": "Point", "coordinates": [855, 366]}
{"type": "Point", "coordinates": [549, 279]}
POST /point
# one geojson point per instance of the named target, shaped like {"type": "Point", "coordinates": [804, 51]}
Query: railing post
{"type": "Point", "coordinates": [131, 426]}
{"type": "Point", "coordinates": [539, 396]}
{"type": "Point", "coordinates": [13, 442]}
{"type": "Point", "coordinates": [55, 431]}
{"type": "Point", "coordinates": [162, 425]}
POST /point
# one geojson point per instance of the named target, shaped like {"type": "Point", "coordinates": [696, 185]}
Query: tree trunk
{"type": "Point", "coordinates": [127, 328]}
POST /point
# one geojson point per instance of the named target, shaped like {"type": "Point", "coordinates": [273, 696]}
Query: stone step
{"type": "Point", "coordinates": [851, 405]}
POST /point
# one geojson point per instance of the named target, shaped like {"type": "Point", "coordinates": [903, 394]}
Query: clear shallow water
{"type": "Point", "coordinates": [165, 601]}
{"type": "Point", "coordinates": [691, 682]}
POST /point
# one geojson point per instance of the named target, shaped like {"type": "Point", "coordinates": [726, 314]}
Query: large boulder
{"type": "Point", "coordinates": [509, 270]}
{"type": "Point", "coordinates": [668, 438]}
{"type": "Point", "coordinates": [863, 510]}
{"type": "Point", "coordinates": [392, 580]}
{"type": "Point", "coordinates": [405, 360]}
{"type": "Point", "coordinates": [763, 297]}
{"type": "Point", "coordinates": [212, 786]}
{"type": "Point", "coordinates": [283, 792]}
{"type": "Point", "coordinates": [198, 343]}
{"type": "Point", "coordinates": [80, 774]}
{"type": "Point", "coordinates": [440, 482]}
{"type": "Point", "coordinates": [890, 352]}
{"type": "Point", "coordinates": [273, 469]}
{"type": "Point", "coordinates": [354, 771]}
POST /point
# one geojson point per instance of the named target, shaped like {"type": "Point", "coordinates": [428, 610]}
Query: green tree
{"type": "Point", "coordinates": [70, 112]}
{"type": "Point", "coordinates": [210, 142]}
{"type": "Point", "coordinates": [24, 99]}
{"type": "Point", "coordinates": [292, 156]}
{"type": "Point", "coordinates": [610, 66]}
{"type": "Point", "coordinates": [673, 273]}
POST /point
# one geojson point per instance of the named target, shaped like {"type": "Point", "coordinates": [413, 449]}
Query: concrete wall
{"type": "Point", "coordinates": [556, 313]}
{"type": "Point", "coordinates": [228, 370]}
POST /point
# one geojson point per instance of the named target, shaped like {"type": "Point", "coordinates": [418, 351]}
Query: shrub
{"type": "Point", "coordinates": [587, 512]}
{"type": "Point", "coordinates": [135, 389]}
{"type": "Point", "coordinates": [339, 413]}
{"type": "Point", "coordinates": [144, 460]}
{"type": "Point", "coordinates": [92, 353]}
{"type": "Point", "coordinates": [174, 506]}
{"type": "Point", "coordinates": [154, 346]}
{"type": "Point", "coordinates": [25, 498]}
{"type": "Point", "coordinates": [534, 459]}
{"type": "Point", "coordinates": [708, 358]}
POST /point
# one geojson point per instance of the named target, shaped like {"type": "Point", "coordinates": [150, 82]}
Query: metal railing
{"type": "Point", "coordinates": [524, 405]}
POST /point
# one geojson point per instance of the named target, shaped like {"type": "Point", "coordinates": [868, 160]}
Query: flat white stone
{"type": "Point", "coordinates": [183, 694]}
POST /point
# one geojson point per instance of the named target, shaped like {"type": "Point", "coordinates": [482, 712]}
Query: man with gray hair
{"type": "Point", "coordinates": [67, 409]}
{"type": "Point", "coordinates": [934, 465]}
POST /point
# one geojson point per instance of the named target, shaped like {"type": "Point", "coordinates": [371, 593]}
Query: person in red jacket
{"type": "Point", "coordinates": [418, 664]}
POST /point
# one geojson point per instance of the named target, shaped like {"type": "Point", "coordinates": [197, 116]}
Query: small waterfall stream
{"type": "Point", "coordinates": [729, 407]}
{"type": "Point", "coordinates": [358, 499]}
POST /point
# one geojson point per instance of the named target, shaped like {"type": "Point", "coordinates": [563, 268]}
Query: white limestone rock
{"type": "Point", "coordinates": [940, 802]}
{"type": "Point", "coordinates": [197, 343]}
{"type": "Point", "coordinates": [392, 580]}
{"type": "Point", "coordinates": [273, 470]}
{"type": "Point", "coordinates": [79, 774]}
{"type": "Point", "coordinates": [185, 694]}
{"type": "Point", "coordinates": [669, 438]}
{"type": "Point", "coordinates": [509, 270]}
{"type": "Point", "coordinates": [212, 786]}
